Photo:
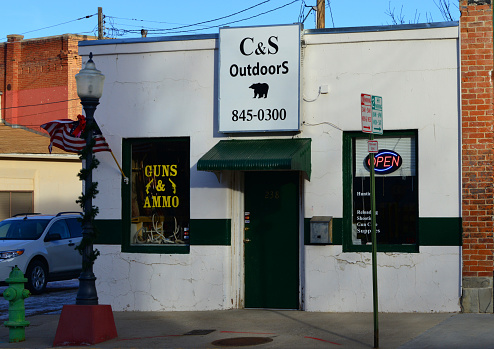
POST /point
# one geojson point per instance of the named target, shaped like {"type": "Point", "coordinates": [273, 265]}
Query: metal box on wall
{"type": "Point", "coordinates": [321, 230]}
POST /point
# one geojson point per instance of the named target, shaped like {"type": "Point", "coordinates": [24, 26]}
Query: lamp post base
{"type": "Point", "coordinates": [85, 324]}
{"type": "Point", "coordinates": [87, 295]}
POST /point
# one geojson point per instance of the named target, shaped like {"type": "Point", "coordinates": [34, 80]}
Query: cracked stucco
{"type": "Point", "coordinates": [334, 281]}
{"type": "Point", "coordinates": [150, 282]}
{"type": "Point", "coordinates": [407, 282]}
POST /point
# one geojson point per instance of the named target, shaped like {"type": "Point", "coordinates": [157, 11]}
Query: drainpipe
{"type": "Point", "coordinates": [1, 119]}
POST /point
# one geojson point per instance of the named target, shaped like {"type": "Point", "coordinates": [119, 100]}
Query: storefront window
{"type": "Point", "coordinates": [396, 193]}
{"type": "Point", "coordinates": [159, 192]}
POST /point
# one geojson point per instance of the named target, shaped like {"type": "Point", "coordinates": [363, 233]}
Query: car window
{"type": "Point", "coordinates": [4, 229]}
{"type": "Point", "coordinates": [75, 227]}
{"type": "Point", "coordinates": [30, 229]}
{"type": "Point", "coordinates": [59, 227]}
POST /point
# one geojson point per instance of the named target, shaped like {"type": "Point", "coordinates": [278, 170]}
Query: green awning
{"type": "Point", "coordinates": [258, 155]}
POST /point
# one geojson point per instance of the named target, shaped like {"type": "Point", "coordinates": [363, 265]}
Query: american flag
{"type": "Point", "coordinates": [65, 134]}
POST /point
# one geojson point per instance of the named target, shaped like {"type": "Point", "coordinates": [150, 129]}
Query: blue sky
{"type": "Point", "coordinates": [125, 19]}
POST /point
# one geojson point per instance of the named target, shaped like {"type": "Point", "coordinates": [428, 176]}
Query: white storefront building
{"type": "Point", "coordinates": [239, 145]}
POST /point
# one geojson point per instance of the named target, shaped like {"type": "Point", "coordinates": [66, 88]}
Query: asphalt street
{"type": "Point", "coordinates": [51, 302]}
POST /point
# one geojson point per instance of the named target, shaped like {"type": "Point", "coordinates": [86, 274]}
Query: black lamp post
{"type": "Point", "coordinates": [95, 324]}
{"type": "Point", "coordinates": [89, 88]}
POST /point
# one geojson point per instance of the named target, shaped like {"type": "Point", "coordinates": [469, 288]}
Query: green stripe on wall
{"type": "Point", "coordinates": [436, 231]}
{"type": "Point", "coordinates": [433, 231]}
{"type": "Point", "coordinates": [109, 231]}
{"type": "Point", "coordinates": [202, 232]}
{"type": "Point", "coordinates": [440, 231]}
{"type": "Point", "coordinates": [210, 232]}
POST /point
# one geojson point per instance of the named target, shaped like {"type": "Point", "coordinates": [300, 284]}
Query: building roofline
{"type": "Point", "coordinates": [22, 127]}
{"type": "Point", "coordinates": [81, 36]}
{"type": "Point", "coordinates": [148, 40]}
{"type": "Point", "coordinates": [44, 157]}
{"type": "Point", "coordinates": [364, 29]}
{"type": "Point", "coordinates": [380, 28]}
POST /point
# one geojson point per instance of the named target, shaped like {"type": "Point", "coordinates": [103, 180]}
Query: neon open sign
{"type": "Point", "coordinates": [385, 161]}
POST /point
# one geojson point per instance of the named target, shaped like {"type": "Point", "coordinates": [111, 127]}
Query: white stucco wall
{"type": "Point", "coordinates": [155, 282]}
{"type": "Point", "coordinates": [422, 282]}
{"type": "Point", "coordinates": [418, 80]}
{"type": "Point", "coordinates": [168, 88]}
{"type": "Point", "coordinates": [155, 90]}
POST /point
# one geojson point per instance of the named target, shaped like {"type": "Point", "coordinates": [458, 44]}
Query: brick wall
{"type": "Point", "coordinates": [477, 154]}
{"type": "Point", "coordinates": [37, 79]}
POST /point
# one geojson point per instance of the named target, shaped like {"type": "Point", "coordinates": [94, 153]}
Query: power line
{"type": "Point", "coordinates": [36, 105]}
{"type": "Point", "coordinates": [331, 12]}
{"type": "Point", "coordinates": [43, 112]}
{"type": "Point", "coordinates": [177, 29]}
{"type": "Point", "coordinates": [56, 25]}
{"type": "Point", "coordinates": [251, 17]}
{"type": "Point", "coordinates": [203, 22]}
{"type": "Point", "coordinates": [172, 31]}
{"type": "Point", "coordinates": [312, 8]}
{"type": "Point", "coordinates": [40, 112]}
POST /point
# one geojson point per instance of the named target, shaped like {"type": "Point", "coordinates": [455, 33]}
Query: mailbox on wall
{"type": "Point", "coordinates": [321, 230]}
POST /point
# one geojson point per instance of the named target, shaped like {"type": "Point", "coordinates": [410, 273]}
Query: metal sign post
{"type": "Point", "coordinates": [374, 246]}
{"type": "Point", "coordinates": [372, 123]}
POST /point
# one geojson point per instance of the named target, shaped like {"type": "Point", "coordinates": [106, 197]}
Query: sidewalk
{"type": "Point", "coordinates": [277, 329]}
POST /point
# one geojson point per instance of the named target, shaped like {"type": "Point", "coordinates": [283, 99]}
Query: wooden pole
{"type": "Point", "coordinates": [100, 23]}
{"type": "Point", "coordinates": [126, 180]}
{"type": "Point", "coordinates": [321, 14]}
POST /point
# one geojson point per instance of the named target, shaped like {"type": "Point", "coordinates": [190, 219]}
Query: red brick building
{"type": "Point", "coordinates": [37, 81]}
{"type": "Point", "coordinates": [37, 84]}
{"type": "Point", "coordinates": [477, 123]}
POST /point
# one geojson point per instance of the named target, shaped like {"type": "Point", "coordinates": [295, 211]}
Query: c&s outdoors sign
{"type": "Point", "coordinates": [259, 87]}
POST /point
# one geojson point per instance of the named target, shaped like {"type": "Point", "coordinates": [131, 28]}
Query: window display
{"type": "Point", "coordinates": [160, 191]}
{"type": "Point", "coordinates": [395, 191]}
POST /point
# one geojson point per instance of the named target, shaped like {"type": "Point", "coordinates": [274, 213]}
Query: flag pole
{"type": "Point", "coordinates": [126, 180]}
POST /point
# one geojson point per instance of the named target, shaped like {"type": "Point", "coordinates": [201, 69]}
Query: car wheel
{"type": "Point", "coordinates": [37, 276]}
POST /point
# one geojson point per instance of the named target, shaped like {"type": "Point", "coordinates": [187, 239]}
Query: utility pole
{"type": "Point", "coordinates": [321, 14]}
{"type": "Point", "coordinates": [100, 23]}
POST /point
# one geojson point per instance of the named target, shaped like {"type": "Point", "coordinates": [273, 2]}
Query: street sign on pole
{"type": "Point", "coordinates": [372, 122]}
{"type": "Point", "coordinates": [373, 146]}
{"type": "Point", "coordinates": [377, 115]}
{"type": "Point", "coordinates": [366, 112]}
{"type": "Point", "coordinates": [371, 113]}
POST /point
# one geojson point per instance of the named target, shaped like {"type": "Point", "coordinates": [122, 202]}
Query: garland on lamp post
{"type": "Point", "coordinates": [89, 89]}
{"type": "Point", "coordinates": [87, 294]}
{"type": "Point", "coordinates": [90, 192]}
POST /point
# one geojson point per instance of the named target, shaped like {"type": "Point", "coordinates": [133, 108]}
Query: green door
{"type": "Point", "coordinates": [271, 243]}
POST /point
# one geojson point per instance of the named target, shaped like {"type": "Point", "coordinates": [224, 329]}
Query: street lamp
{"type": "Point", "coordinates": [89, 88]}
{"type": "Point", "coordinates": [94, 324]}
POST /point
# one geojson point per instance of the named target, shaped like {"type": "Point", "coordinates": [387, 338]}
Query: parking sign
{"type": "Point", "coordinates": [371, 113]}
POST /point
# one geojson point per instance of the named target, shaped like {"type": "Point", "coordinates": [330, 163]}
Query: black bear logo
{"type": "Point", "coordinates": [260, 90]}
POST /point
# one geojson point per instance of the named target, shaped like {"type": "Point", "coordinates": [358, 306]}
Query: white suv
{"type": "Point", "coordinates": [42, 246]}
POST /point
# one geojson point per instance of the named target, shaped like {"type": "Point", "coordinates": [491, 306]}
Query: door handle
{"type": "Point", "coordinates": [246, 241]}
{"type": "Point", "coordinates": [71, 244]}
